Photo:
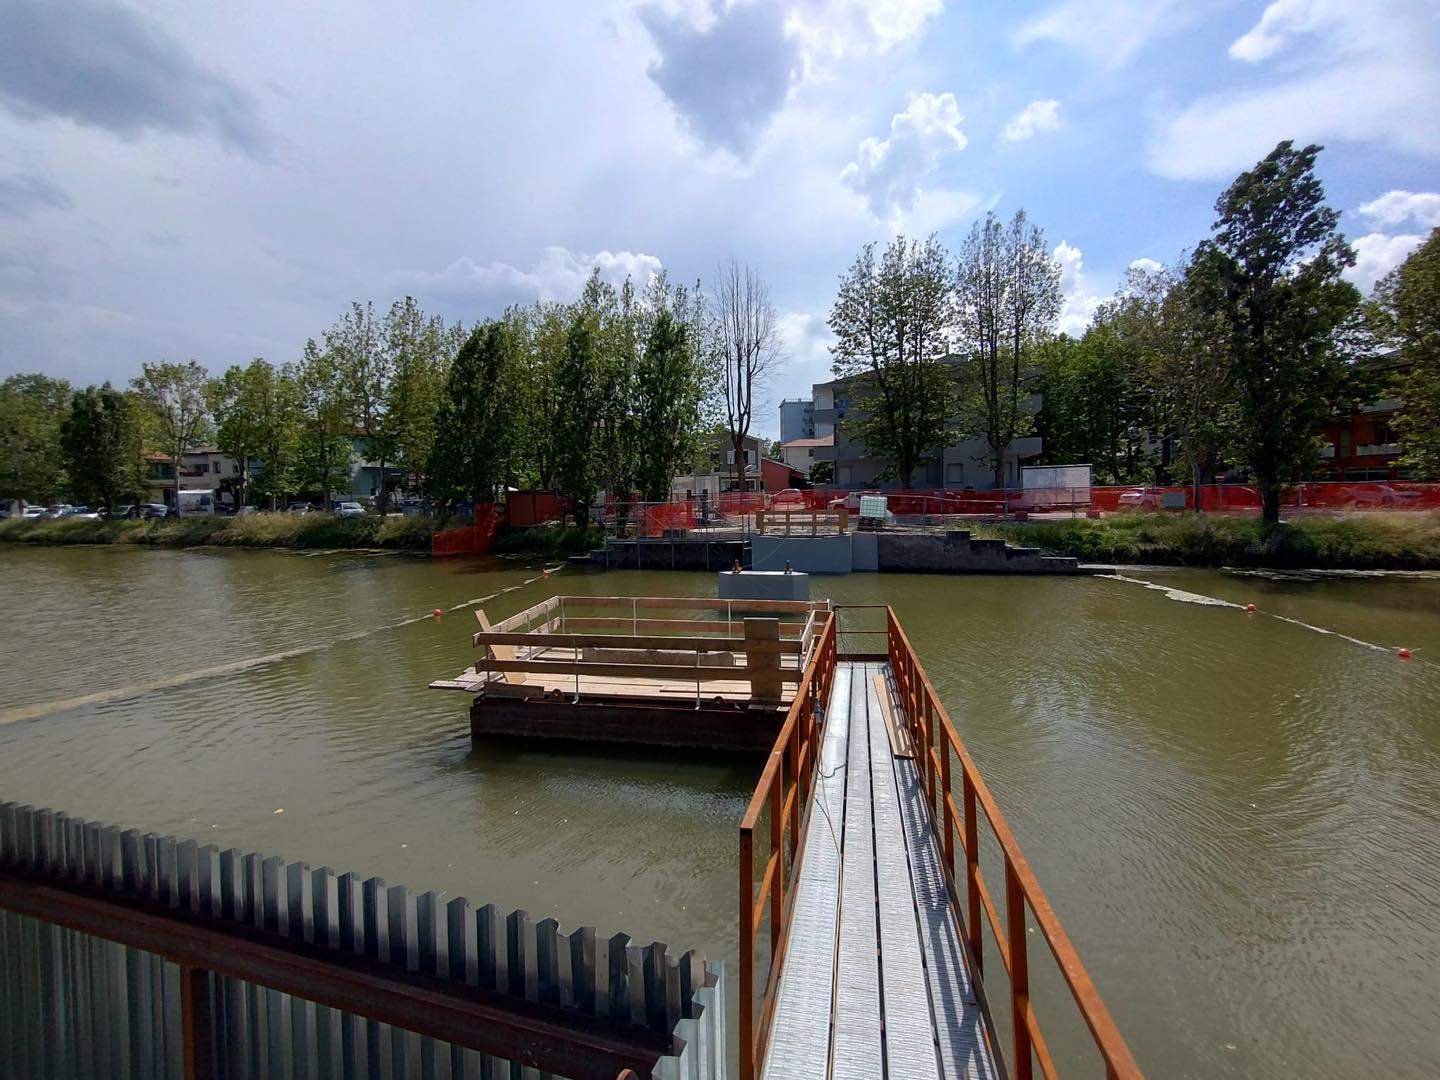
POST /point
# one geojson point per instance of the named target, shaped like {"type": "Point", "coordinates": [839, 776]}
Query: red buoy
{"type": "Point", "coordinates": [1404, 654]}
{"type": "Point", "coordinates": [1251, 608]}
{"type": "Point", "coordinates": [435, 614]}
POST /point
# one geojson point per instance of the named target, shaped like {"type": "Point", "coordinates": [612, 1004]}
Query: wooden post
{"type": "Point", "coordinates": [197, 1026]}
{"type": "Point", "coordinates": [972, 869]}
{"type": "Point", "coordinates": [762, 658]}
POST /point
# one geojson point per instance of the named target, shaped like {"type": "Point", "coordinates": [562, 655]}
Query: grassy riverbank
{"type": "Point", "coordinates": [1357, 541]}
{"type": "Point", "coordinates": [258, 530]}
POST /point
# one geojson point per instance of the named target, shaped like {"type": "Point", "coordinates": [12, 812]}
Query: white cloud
{"type": "Point", "coordinates": [806, 340]}
{"type": "Point", "coordinates": [1109, 32]}
{"type": "Point", "coordinates": [1146, 266]}
{"type": "Point", "coordinates": [1398, 207]}
{"type": "Point", "coordinates": [830, 30]}
{"type": "Point", "coordinates": [888, 172]}
{"type": "Point", "coordinates": [559, 274]}
{"type": "Point", "coordinates": [1376, 254]}
{"type": "Point", "coordinates": [1036, 117]}
{"type": "Point", "coordinates": [1078, 304]}
{"type": "Point", "coordinates": [1365, 73]}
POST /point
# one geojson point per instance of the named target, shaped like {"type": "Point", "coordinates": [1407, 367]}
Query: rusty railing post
{"type": "Point", "coordinates": [972, 870]}
{"type": "Point", "coordinates": [747, 955]}
{"type": "Point", "coordinates": [777, 852]}
{"type": "Point", "coordinates": [1019, 970]}
{"type": "Point", "coordinates": [196, 1021]}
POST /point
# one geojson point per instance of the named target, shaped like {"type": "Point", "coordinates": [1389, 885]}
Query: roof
{"type": "Point", "coordinates": [800, 444]}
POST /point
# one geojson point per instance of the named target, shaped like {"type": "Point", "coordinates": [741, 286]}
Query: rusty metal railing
{"type": "Point", "coordinates": [935, 737]}
{"type": "Point", "coordinates": [784, 788]}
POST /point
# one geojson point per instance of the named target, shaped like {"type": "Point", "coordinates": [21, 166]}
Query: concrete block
{"type": "Point", "coordinates": [764, 585]}
{"type": "Point", "coordinates": [811, 554]}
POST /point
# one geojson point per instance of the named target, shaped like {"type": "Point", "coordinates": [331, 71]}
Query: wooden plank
{"type": "Point", "coordinates": [500, 652]}
{"type": "Point", "coordinates": [631, 671]}
{"type": "Point", "coordinates": [901, 744]}
{"type": "Point", "coordinates": [909, 1026]}
{"type": "Point", "coordinates": [691, 626]}
{"type": "Point", "coordinates": [857, 1044]}
{"type": "Point", "coordinates": [629, 641]}
{"type": "Point", "coordinates": [762, 658]}
{"type": "Point", "coordinates": [681, 603]}
{"type": "Point", "coordinates": [798, 1045]}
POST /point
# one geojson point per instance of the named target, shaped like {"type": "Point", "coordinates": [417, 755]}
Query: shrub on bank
{"type": "Point", "coordinates": [556, 541]}
{"type": "Point", "coordinates": [256, 530]}
{"type": "Point", "coordinates": [1360, 541]}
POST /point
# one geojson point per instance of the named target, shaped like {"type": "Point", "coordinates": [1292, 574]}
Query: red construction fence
{"type": "Point", "coordinates": [468, 540]}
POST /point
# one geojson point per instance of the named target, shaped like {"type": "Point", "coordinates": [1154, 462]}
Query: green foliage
{"type": "Point", "coordinates": [421, 349]}
{"type": "Point", "coordinates": [325, 447]}
{"type": "Point", "coordinates": [32, 408]}
{"type": "Point", "coordinates": [576, 389]}
{"type": "Point", "coordinates": [892, 320]}
{"type": "Point", "coordinates": [1347, 541]}
{"type": "Point", "coordinates": [102, 447]}
{"type": "Point", "coordinates": [667, 407]}
{"type": "Point", "coordinates": [475, 438]}
{"type": "Point", "coordinates": [1271, 274]}
{"type": "Point", "coordinates": [822, 473]}
{"type": "Point", "coordinates": [258, 414]}
{"type": "Point", "coordinates": [1095, 409]}
{"type": "Point", "coordinates": [1405, 312]}
{"type": "Point", "coordinates": [257, 530]}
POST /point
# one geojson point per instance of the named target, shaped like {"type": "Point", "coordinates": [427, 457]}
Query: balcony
{"type": "Point", "coordinates": [1379, 449]}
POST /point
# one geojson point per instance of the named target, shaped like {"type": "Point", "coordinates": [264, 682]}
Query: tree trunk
{"type": "Point", "coordinates": [177, 485]}
{"type": "Point", "coordinates": [384, 495]}
{"type": "Point", "coordinates": [1270, 503]}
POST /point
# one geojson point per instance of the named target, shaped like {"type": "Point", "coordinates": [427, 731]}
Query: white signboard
{"type": "Point", "coordinates": [1056, 485]}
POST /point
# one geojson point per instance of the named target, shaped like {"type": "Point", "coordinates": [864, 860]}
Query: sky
{"type": "Point", "coordinates": [219, 181]}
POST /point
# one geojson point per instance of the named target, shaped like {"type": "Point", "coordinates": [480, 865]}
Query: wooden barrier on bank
{"type": "Point", "coordinates": [818, 522]}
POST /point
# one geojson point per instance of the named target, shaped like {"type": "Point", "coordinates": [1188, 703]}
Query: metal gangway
{"type": "Point", "coordinates": [862, 946]}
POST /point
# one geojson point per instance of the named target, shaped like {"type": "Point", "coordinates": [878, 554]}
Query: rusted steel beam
{"type": "Point", "coordinates": [541, 1036]}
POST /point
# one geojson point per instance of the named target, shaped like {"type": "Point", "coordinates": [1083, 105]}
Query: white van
{"type": "Point", "coordinates": [195, 504]}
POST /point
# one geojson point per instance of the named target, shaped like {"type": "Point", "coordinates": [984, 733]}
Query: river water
{"type": "Point", "coordinates": [1237, 817]}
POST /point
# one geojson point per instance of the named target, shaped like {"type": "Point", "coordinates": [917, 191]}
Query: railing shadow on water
{"type": "Point", "coordinates": [972, 857]}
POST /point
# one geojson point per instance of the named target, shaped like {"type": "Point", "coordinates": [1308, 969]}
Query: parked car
{"type": "Point", "coordinates": [299, 508]}
{"type": "Point", "coordinates": [1140, 499]}
{"type": "Point", "coordinates": [246, 511]}
{"type": "Point", "coordinates": [1382, 495]}
{"type": "Point", "coordinates": [152, 510]}
{"type": "Point", "coordinates": [33, 513]}
{"type": "Point", "coordinates": [55, 511]}
{"type": "Point", "coordinates": [81, 513]}
{"type": "Point", "coordinates": [120, 513]}
{"type": "Point", "coordinates": [789, 499]}
{"type": "Point", "coordinates": [851, 501]}
{"type": "Point", "coordinates": [349, 510]}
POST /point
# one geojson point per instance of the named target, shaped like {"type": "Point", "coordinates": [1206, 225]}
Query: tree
{"type": "Point", "coordinates": [32, 408]}
{"type": "Point", "coordinates": [102, 447]}
{"type": "Point", "coordinates": [822, 472]}
{"type": "Point", "coordinates": [893, 322]}
{"type": "Point", "coordinates": [667, 409]}
{"type": "Point", "coordinates": [1405, 312]}
{"type": "Point", "coordinates": [325, 449]}
{"type": "Point", "coordinates": [367, 369]}
{"type": "Point", "coordinates": [179, 403]}
{"type": "Point", "coordinates": [1009, 299]}
{"type": "Point", "coordinates": [258, 413]}
{"type": "Point", "coordinates": [1093, 402]}
{"type": "Point", "coordinates": [575, 389]}
{"type": "Point", "coordinates": [1271, 275]}
{"type": "Point", "coordinates": [475, 427]}
{"type": "Point", "coordinates": [747, 341]}
{"type": "Point", "coordinates": [420, 349]}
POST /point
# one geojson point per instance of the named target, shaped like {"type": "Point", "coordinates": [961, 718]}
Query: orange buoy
{"type": "Point", "coordinates": [1251, 608]}
{"type": "Point", "coordinates": [546, 571]}
{"type": "Point", "coordinates": [1404, 654]}
{"type": "Point", "coordinates": [435, 614]}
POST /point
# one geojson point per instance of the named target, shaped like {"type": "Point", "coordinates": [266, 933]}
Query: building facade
{"type": "Point", "coordinates": [797, 419]}
{"type": "Point", "coordinates": [202, 469]}
{"type": "Point", "coordinates": [966, 464]}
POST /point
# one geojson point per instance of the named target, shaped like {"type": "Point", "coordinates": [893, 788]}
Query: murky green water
{"type": "Point", "coordinates": [1237, 817]}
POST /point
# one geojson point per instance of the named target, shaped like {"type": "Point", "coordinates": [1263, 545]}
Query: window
{"type": "Point", "coordinates": [1345, 443]}
{"type": "Point", "coordinates": [842, 476]}
{"type": "Point", "coordinates": [1382, 432]}
{"type": "Point", "coordinates": [954, 473]}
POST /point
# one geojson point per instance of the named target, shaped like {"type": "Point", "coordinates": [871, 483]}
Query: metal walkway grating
{"type": "Point", "coordinates": [874, 982]}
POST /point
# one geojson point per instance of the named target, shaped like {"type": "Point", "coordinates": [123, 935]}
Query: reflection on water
{"type": "Point", "coordinates": [1235, 815]}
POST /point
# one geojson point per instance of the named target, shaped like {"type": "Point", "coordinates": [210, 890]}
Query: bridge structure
{"type": "Point", "coordinates": [871, 940]}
